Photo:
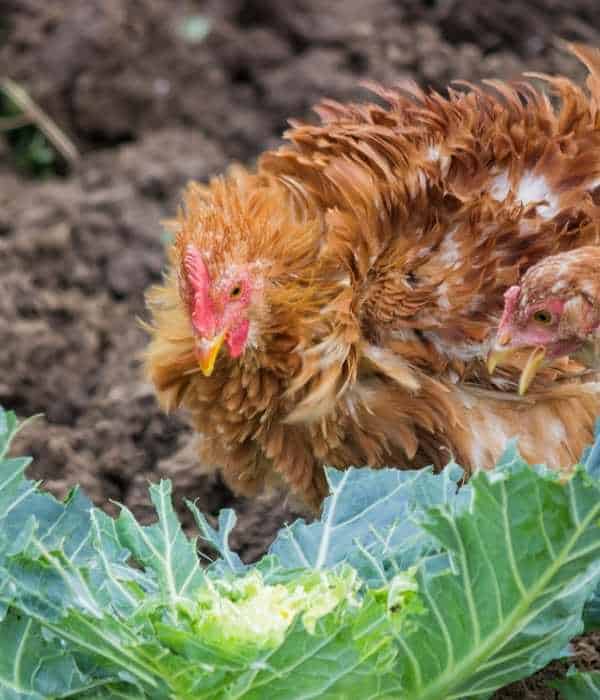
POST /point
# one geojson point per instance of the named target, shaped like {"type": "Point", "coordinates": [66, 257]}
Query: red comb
{"type": "Point", "coordinates": [198, 278]}
{"type": "Point", "coordinates": [195, 269]}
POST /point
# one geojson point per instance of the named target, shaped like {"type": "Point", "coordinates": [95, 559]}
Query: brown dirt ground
{"type": "Point", "coordinates": [155, 93]}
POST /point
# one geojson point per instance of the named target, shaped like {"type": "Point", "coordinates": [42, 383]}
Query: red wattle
{"type": "Point", "coordinates": [237, 337]}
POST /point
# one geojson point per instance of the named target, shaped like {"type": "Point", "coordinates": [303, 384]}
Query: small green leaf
{"type": "Point", "coordinates": [163, 548]}
{"type": "Point", "coordinates": [219, 539]}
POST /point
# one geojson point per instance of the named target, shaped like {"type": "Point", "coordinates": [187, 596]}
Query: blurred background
{"type": "Point", "coordinates": [107, 108]}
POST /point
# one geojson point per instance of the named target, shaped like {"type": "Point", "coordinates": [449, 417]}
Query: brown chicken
{"type": "Point", "coordinates": [553, 312]}
{"type": "Point", "coordinates": [337, 305]}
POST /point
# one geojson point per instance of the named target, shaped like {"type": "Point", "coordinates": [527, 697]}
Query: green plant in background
{"type": "Point", "coordinates": [406, 587]}
{"type": "Point", "coordinates": [39, 148]}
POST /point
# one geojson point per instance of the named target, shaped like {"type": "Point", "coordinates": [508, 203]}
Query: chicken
{"type": "Point", "coordinates": [553, 312]}
{"type": "Point", "coordinates": [336, 305]}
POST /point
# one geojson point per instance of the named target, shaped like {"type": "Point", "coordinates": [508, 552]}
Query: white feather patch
{"type": "Point", "coordinates": [449, 251]}
{"type": "Point", "coordinates": [392, 365]}
{"type": "Point", "coordinates": [535, 188]}
{"type": "Point", "coordinates": [531, 189]}
{"type": "Point", "coordinates": [500, 187]}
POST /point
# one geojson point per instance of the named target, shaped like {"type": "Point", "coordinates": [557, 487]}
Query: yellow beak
{"type": "Point", "coordinates": [499, 355]}
{"type": "Point", "coordinates": [534, 362]}
{"type": "Point", "coordinates": [207, 350]}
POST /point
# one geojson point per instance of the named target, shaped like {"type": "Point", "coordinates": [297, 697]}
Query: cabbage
{"type": "Point", "coordinates": [406, 587]}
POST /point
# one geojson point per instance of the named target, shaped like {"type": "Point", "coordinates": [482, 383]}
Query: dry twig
{"type": "Point", "coordinates": [32, 114]}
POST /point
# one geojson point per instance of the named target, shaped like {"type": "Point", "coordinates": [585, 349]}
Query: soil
{"type": "Point", "coordinates": [155, 93]}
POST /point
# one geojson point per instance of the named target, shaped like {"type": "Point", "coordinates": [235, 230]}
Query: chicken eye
{"type": "Point", "coordinates": [544, 317]}
{"type": "Point", "coordinates": [236, 292]}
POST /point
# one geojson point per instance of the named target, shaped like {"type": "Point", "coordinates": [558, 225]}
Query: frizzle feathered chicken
{"type": "Point", "coordinates": [553, 312]}
{"type": "Point", "coordinates": [337, 305]}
